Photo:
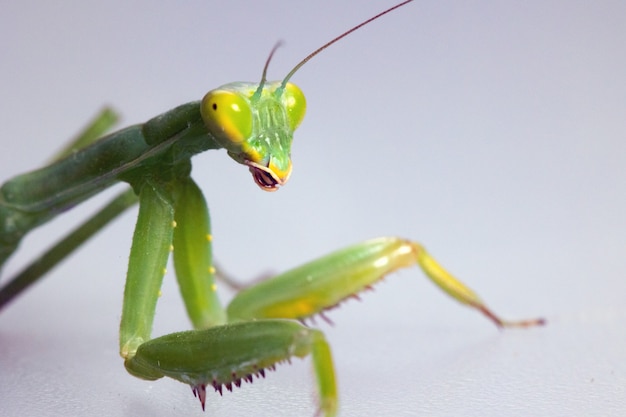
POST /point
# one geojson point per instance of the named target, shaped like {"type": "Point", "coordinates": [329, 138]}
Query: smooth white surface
{"type": "Point", "coordinates": [493, 132]}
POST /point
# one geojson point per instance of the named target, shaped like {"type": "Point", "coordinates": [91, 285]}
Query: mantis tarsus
{"type": "Point", "coordinates": [259, 328]}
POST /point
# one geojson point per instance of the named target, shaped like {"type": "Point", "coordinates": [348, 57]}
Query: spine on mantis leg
{"type": "Point", "coordinates": [226, 356]}
{"type": "Point", "coordinates": [323, 283]}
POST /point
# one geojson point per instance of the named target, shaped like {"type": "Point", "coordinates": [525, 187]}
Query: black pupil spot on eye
{"type": "Point", "coordinates": [214, 106]}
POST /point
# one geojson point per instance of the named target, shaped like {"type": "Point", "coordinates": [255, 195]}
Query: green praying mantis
{"type": "Point", "coordinates": [264, 324]}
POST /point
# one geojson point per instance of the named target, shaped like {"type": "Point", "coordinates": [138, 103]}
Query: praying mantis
{"type": "Point", "coordinates": [260, 327]}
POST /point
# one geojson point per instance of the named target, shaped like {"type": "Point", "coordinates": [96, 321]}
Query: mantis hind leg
{"type": "Point", "coordinates": [10, 217]}
{"type": "Point", "coordinates": [323, 283]}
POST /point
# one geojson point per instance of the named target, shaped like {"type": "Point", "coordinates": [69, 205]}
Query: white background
{"type": "Point", "coordinates": [492, 132]}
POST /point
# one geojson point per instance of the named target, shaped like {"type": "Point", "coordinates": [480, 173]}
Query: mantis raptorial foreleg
{"type": "Point", "coordinates": [224, 356]}
{"type": "Point", "coordinates": [146, 266]}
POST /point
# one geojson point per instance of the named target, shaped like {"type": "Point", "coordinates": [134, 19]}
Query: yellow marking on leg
{"type": "Point", "coordinates": [171, 248]}
{"type": "Point", "coordinates": [209, 237]}
{"type": "Point", "coordinates": [211, 270]}
{"type": "Point", "coordinates": [174, 224]}
{"type": "Point", "coordinates": [213, 287]}
{"type": "Point", "coordinates": [294, 309]}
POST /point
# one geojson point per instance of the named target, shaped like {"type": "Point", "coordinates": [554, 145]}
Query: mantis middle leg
{"type": "Point", "coordinates": [323, 283]}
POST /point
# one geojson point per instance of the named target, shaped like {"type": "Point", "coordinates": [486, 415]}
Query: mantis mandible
{"type": "Point", "coordinates": [263, 325]}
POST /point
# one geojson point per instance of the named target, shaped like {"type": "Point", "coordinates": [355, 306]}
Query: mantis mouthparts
{"type": "Point", "coordinates": [265, 177]}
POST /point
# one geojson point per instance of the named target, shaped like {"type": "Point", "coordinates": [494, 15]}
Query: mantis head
{"type": "Point", "coordinates": [255, 123]}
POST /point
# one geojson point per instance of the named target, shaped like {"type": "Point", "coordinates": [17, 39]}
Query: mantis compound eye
{"type": "Point", "coordinates": [295, 104]}
{"type": "Point", "coordinates": [228, 116]}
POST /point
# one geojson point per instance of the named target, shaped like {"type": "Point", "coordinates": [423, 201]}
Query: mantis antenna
{"type": "Point", "coordinates": [321, 48]}
{"type": "Point", "coordinates": [259, 90]}
{"type": "Point", "coordinates": [279, 90]}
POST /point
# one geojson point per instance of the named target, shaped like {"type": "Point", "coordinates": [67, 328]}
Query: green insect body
{"type": "Point", "coordinates": [259, 328]}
